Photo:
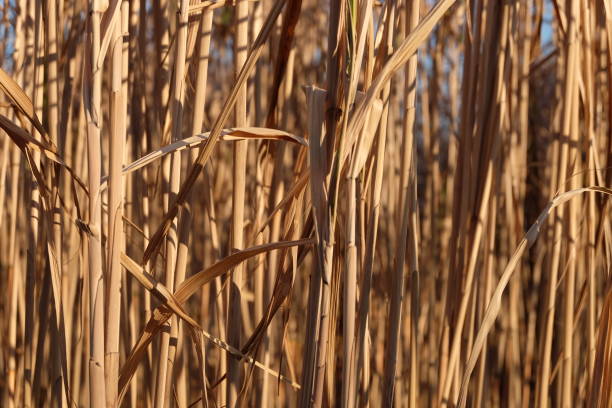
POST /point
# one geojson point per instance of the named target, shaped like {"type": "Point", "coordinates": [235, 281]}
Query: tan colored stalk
{"type": "Point", "coordinates": [36, 42]}
{"type": "Point", "coordinates": [14, 267]}
{"type": "Point", "coordinates": [325, 207]}
{"type": "Point", "coordinates": [352, 342]}
{"type": "Point", "coordinates": [349, 372]}
{"type": "Point", "coordinates": [139, 94]}
{"type": "Point", "coordinates": [130, 303]}
{"type": "Point", "coordinates": [60, 392]}
{"type": "Point", "coordinates": [262, 174]}
{"type": "Point", "coordinates": [315, 103]}
{"type": "Point", "coordinates": [362, 363]}
{"type": "Point", "coordinates": [163, 17]}
{"type": "Point", "coordinates": [486, 287]}
{"type": "Point", "coordinates": [590, 259]}
{"type": "Point", "coordinates": [277, 191]}
{"type": "Point", "coordinates": [177, 352]}
{"type": "Point", "coordinates": [349, 299]}
{"type": "Point", "coordinates": [569, 297]}
{"type": "Point", "coordinates": [569, 98]}
{"type": "Point", "coordinates": [490, 128]}
{"type": "Point", "coordinates": [147, 295]}
{"type": "Point", "coordinates": [14, 279]}
{"type": "Point", "coordinates": [3, 166]}
{"type": "Point", "coordinates": [235, 318]}
{"type": "Point", "coordinates": [53, 110]}
{"type": "Point", "coordinates": [203, 57]}
{"type": "Point", "coordinates": [97, 393]}
{"type": "Point", "coordinates": [217, 291]}
{"type": "Point", "coordinates": [363, 331]}
{"type": "Point", "coordinates": [513, 177]}
{"type": "Point", "coordinates": [164, 372]}
{"type": "Point", "coordinates": [33, 68]}
{"type": "Point", "coordinates": [472, 33]}
{"type": "Point", "coordinates": [524, 53]}
{"type": "Point", "coordinates": [118, 103]}
{"type": "Point", "coordinates": [406, 234]}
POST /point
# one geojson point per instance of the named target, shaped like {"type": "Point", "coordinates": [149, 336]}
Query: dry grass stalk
{"type": "Point", "coordinates": [367, 249]}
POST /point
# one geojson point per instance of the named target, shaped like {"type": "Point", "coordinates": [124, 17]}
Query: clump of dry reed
{"type": "Point", "coordinates": [300, 203]}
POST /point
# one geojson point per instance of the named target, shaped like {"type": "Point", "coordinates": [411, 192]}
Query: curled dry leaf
{"type": "Point", "coordinates": [19, 98]}
{"type": "Point", "coordinates": [230, 134]}
{"type": "Point", "coordinates": [24, 141]}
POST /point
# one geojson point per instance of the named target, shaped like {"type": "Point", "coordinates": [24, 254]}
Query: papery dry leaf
{"type": "Point", "coordinates": [496, 299]}
{"type": "Point", "coordinates": [184, 292]}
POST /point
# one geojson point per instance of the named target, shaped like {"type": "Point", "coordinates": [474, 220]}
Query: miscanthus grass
{"type": "Point", "coordinates": [282, 203]}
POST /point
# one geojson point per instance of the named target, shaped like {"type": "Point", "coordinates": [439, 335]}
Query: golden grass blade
{"type": "Point", "coordinates": [193, 283]}
{"type": "Point", "coordinates": [232, 134]}
{"type": "Point", "coordinates": [495, 302]}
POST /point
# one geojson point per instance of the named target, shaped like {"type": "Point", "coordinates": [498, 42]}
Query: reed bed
{"type": "Point", "coordinates": [295, 203]}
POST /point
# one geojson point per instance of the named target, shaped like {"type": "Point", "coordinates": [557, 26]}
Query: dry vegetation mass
{"type": "Point", "coordinates": [295, 203]}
